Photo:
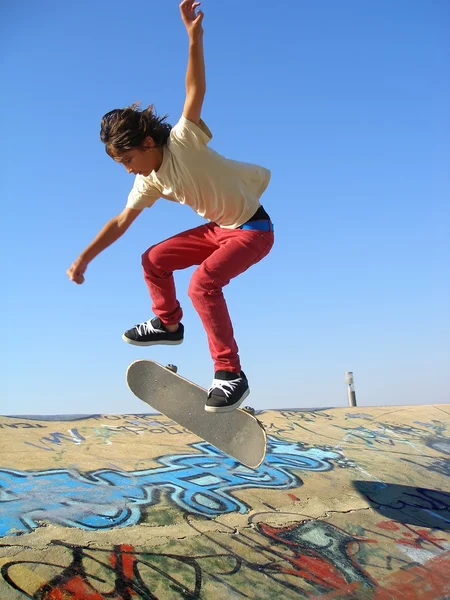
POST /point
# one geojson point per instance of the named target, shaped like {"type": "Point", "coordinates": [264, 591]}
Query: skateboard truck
{"type": "Point", "coordinates": [172, 368]}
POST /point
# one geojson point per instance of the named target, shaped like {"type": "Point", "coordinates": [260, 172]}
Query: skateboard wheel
{"type": "Point", "coordinates": [172, 368]}
{"type": "Point", "coordinates": [250, 410]}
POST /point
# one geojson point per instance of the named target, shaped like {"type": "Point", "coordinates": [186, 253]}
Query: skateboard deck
{"type": "Point", "coordinates": [238, 433]}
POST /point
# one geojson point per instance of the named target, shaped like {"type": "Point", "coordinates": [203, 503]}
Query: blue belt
{"type": "Point", "coordinates": [258, 225]}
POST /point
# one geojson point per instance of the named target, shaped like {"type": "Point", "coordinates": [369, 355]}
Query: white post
{"type": "Point", "coordinates": [350, 388]}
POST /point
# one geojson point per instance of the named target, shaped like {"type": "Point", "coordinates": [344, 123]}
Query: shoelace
{"type": "Point", "coordinates": [223, 384]}
{"type": "Point", "coordinates": [147, 327]}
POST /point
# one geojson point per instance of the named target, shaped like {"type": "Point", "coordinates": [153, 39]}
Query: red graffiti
{"type": "Point", "coordinates": [414, 538]}
{"type": "Point", "coordinates": [328, 564]}
{"type": "Point", "coordinates": [427, 582]}
{"type": "Point", "coordinates": [73, 582]}
{"type": "Point", "coordinates": [75, 587]}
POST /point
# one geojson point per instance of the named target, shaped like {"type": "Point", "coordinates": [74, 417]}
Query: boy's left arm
{"type": "Point", "coordinates": [195, 74]}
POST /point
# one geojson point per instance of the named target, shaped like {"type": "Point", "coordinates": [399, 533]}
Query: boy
{"type": "Point", "coordinates": [175, 163]}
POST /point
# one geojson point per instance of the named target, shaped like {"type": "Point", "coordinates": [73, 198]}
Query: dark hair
{"type": "Point", "coordinates": [124, 129]}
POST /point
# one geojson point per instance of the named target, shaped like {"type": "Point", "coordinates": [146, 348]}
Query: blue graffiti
{"type": "Point", "coordinates": [358, 416]}
{"type": "Point", "coordinates": [104, 499]}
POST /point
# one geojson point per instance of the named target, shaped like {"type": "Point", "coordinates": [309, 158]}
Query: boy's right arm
{"type": "Point", "coordinates": [111, 232]}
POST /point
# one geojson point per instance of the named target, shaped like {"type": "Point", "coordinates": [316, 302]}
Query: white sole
{"type": "Point", "coordinates": [162, 343]}
{"type": "Point", "coordinates": [225, 409]}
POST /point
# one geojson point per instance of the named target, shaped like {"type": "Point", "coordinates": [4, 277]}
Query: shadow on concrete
{"type": "Point", "coordinates": [412, 505]}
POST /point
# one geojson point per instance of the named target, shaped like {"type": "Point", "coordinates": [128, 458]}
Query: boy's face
{"type": "Point", "coordinates": [144, 160]}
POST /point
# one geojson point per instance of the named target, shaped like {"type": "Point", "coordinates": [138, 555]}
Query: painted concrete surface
{"type": "Point", "coordinates": [350, 503]}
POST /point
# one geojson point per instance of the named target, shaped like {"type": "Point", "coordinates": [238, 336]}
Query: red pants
{"type": "Point", "coordinates": [222, 254]}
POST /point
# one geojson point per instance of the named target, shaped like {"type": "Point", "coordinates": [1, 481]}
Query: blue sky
{"type": "Point", "coordinates": [347, 104]}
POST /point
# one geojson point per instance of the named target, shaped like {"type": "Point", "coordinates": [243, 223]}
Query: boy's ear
{"type": "Point", "coordinates": [148, 143]}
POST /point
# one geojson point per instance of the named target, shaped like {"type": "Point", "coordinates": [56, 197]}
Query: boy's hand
{"type": "Point", "coordinates": [191, 19]}
{"type": "Point", "coordinates": [76, 271]}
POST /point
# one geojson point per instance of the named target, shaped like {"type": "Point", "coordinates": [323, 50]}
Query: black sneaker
{"type": "Point", "coordinates": [227, 392]}
{"type": "Point", "coordinates": [153, 332]}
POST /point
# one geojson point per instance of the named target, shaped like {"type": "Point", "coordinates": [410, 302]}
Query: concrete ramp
{"type": "Point", "coordinates": [350, 503]}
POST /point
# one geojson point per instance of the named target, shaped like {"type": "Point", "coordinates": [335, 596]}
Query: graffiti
{"type": "Point", "coordinates": [57, 438]}
{"type": "Point", "coordinates": [22, 425]}
{"type": "Point", "coordinates": [300, 526]}
{"type": "Point", "coordinates": [390, 435]}
{"type": "Point", "coordinates": [321, 559]}
{"type": "Point", "coordinates": [372, 439]}
{"type": "Point", "coordinates": [440, 444]}
{"type": "Point", "coordinates": [416, 545]}
{"type": "Point", "coordinates": [315, 556]}
{"type": "Point", "coordinates": [306, 558]}
{"type": "Point", "coordinates": [306, 415]}
{"type": "Point", "coordinates": [289, 423]}
{"type": "Point", "coordinates": [200, 483]}
{"type": "Point", "coordinates": [436, 441]}
{"type": "Point", "coordinates": [135, 426]}
{"type": "Point", "coordinates": [437, 465]}
{"type": "Point", "coordinates": [413, 538]}
{"type": "Point", "coordinates": [121, 568]}
{"type": "Point", "coordinates": [358, 416]}
{"type": "Point", "coordinates": [300, 560]}
{"type": "Point", "coordinates": [294, 421]}
{"type": "Point", "coordinates": [437, 426]}
{"type": "Point", "coordinates": [321, 554]}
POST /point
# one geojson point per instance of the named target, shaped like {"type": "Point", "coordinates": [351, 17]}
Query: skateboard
{"type": "Point", "coordinates": [238, 433]}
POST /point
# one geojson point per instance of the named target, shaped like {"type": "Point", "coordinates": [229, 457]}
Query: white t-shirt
{"type": "Point", "coordinates": [221, 190]}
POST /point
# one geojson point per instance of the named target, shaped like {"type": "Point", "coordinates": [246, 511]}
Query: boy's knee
{"type": "Point", "coordinates": [202, 283]}
{"type": "Point", "coordinates": [151, 258]}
